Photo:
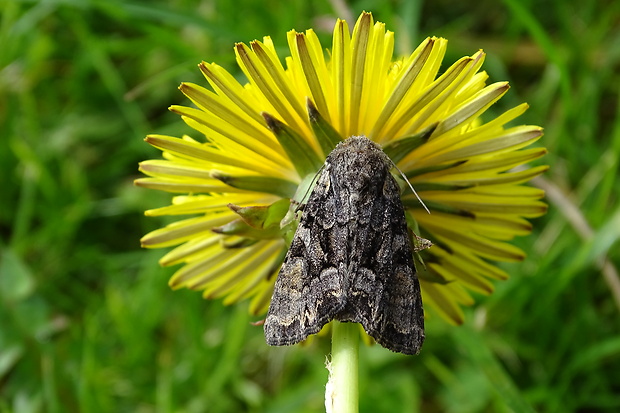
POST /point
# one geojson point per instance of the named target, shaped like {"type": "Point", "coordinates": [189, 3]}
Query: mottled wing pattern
{"type": "Point", "coordinates": [309, 291]}
{"type": "Point", "coordinates": [351, 257]}
{"type": "Point", "coordinates": [385, 293]}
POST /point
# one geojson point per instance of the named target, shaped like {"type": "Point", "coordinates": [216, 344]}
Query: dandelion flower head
{"type": "Point", "coordinates": [262, 143]}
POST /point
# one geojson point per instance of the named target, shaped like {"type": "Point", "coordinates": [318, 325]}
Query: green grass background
{"type": "Point", "coordinates": [87, 321]}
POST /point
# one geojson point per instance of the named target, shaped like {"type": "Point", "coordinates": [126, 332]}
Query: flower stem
{"type": "Point", "coordinates": [341, 393]}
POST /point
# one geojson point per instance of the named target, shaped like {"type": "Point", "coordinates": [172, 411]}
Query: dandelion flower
{"type": "Point", "coordinates": [263, 142]}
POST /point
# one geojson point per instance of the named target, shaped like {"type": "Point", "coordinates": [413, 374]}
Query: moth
{"type": "Point", "coordinates": [351, 258]}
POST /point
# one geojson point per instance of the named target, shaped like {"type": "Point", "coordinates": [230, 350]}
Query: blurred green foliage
{"type": "Point", "coordinates": [87, 322]}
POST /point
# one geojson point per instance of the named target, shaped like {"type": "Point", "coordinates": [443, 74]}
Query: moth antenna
{"type": "Point", "coordinates": [410, 186]}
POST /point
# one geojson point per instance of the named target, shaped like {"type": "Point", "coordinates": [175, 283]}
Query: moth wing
{"type": "Point", "coordinates": [399, 322]}
{"type": "Point", "coordinates": [308, 292]}
{"type": "Point", "coordinates": [385, 292]}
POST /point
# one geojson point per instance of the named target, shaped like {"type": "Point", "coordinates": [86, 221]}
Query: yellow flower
{"type": "Point", "coordinates": [264, 142]}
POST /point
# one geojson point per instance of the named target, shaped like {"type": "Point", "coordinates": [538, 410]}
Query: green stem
{"type": "Point", "coordinates": [341, 394]}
